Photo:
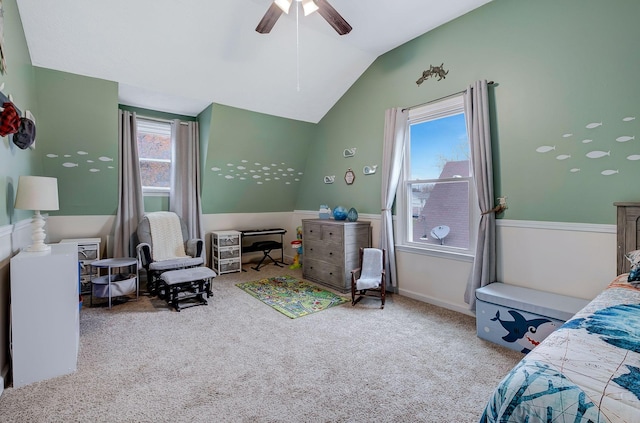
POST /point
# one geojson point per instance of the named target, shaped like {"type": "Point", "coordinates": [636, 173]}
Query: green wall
{"type": "Point", "coordinates": [255, 162]}
{"type": "Point", "coordinates": [19, 82]}
{"type": "Point", "coordinates": [558, 66]}
{"type": "Point", "coordinates": [79, 129]}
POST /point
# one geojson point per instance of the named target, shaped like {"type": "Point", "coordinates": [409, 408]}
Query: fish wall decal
{"type": "Point", "coordinates": [598, 154]}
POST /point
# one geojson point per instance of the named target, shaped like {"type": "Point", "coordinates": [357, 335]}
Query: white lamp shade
{"type": "Point", "coordinates": [37, 193]}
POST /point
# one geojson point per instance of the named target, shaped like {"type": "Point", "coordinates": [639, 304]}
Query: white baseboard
{"type": "Point", "coordinates": [436, 302]}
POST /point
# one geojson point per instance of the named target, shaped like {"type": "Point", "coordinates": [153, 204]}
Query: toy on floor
{"type": "Point", "coordinates": [297, 244]}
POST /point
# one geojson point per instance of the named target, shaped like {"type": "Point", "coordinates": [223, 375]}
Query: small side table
{"type": "Point", "coordinates": [115, 284]}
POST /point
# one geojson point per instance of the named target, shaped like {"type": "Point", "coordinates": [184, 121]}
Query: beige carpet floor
{"type": "Point", "coordinates": [238, 360]}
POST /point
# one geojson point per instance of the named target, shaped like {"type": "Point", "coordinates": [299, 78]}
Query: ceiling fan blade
{"type": "Point", "coordinates": [334, 19]}
{"type": "Point", "coordinates": [269, 19]}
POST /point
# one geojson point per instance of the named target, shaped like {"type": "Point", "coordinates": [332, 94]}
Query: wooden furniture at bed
{"type": "Point", "coordinates": [628, 216]}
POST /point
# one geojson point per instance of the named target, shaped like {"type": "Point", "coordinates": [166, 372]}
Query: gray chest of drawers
{"type": "Point", "coordinates": [331, 250]}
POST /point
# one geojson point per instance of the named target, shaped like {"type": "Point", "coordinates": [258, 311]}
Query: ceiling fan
{"type": "Point", "coordinates": [323, 7]}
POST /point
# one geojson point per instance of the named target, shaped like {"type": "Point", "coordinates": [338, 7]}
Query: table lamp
{"type": "Point", "coordinates": [37, 193]}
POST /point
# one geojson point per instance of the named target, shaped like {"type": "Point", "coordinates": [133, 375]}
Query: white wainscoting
{"type": "Point", "coordinates": [578, 260]}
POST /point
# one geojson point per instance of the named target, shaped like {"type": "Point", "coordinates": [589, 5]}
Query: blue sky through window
{"type": "Point", "coordinates": [436, 139]}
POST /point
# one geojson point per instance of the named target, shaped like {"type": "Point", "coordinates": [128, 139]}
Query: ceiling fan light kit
{"type": "Point", "coordinates": [323, 7]}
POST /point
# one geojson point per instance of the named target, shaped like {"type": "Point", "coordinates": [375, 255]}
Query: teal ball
{"type": "Point", "coordinates": [340, 213]}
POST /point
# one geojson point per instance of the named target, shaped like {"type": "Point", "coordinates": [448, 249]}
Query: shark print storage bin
{"type": "Point", "coordinates": [520, 318]}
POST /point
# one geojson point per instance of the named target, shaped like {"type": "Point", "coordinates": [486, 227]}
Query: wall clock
{"type": "Point", "coordinates": [349, 177]}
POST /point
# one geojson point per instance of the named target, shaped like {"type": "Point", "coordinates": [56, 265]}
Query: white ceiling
{"type": "Point", "coordinates": [180, 56]}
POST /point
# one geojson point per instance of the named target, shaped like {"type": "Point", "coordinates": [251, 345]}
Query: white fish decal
{"type": "Point", "coordinates": [597, 154]}
{"type": "Point", "coordinates": [257, 176]}
{"type": "Point", "coordinates": [629, 119]}
{"type": "Point", "coordinates": [215, 169]}
{"type": "Point", "coordinates": [89, 161]}
{"type": "Point", "coordinates": [241, 168]}
{"type": "Point", "coordinates": [563, 157]}
{"type": "Point", "coordinates": [105, 159]}
{"type": "Point", "coordinates": [567, 135]}
{"type": "Point", "coordinates": [609, 172]}
{"type": "Point", "coordinates": [267, 179]}
{"type": "Point", "coordinates": [289, 169]}
{"type": "Point", "coordinates": [230, 164]}
{"type": "Point", "coordinates": [266, 168]}
{"type": "Point", "coordinates": [297, 180]}
{"type": "Point", "coordinates": [625, 138]}
{"type": "Point", "coordinates": [82, 153]}
{"type": "Point", "coordinates": [257, 164]}
{"type": "Point", "coordinates": [260, 182]}
{"type": "Point", "coordinates": [574, 170]}
{"type": "Point", "coordinates": [545, 148]}
{"type": "Point", "coordinates": [242, 178]}
{"type": "Point", "coordinates": [586, 141]}
{"type": "Point", "coordinates": [94, 170]}
{"type": "Point", "coordinates": [273, 165]}
{"type": "Point", "coordinates": [67, 164]}
{"type": "Point", "coordinates": [110, 167]}
{"type": "Point", "coordinates": [633, 157]}
{"type": "Point", "coordinates": [67, 155]}
{"type": "Point", "coordinates": [300, 173]}
{"type": "Point", "coordinates": [229, 177]}
{"type": "Point", "coordinates": [287, 183]}
{"type": "Point", "coordinates": [593, 125]}
{"type": "Point", "coordinates": [53, 156]}
{"type": "Point", "coordinates": [244, 161]}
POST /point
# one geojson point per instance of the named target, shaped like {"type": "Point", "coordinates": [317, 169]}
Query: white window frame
{"type": "Point", "coordinates": [431, 111]}
{"type": "Point", "coordinates": [160, 125]}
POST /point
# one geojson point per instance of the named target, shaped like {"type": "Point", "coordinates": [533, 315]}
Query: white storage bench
{"type": "Point", "coordinates": [520, 318]}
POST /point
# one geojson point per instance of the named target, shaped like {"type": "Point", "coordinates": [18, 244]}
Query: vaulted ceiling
{"type": "Point", "coordinates": [179, 56]}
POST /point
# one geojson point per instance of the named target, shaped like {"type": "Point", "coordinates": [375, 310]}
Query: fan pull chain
{"type": "Point", "coordinates": [297, 49]}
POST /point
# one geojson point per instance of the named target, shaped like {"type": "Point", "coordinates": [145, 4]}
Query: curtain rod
{"type": "Point", "coordinates": [438, 99]}
{"type": "Point", "coordinates": [162, 120]}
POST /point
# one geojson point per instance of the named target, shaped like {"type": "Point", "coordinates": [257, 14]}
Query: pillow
{"type": "Point", "coordinates": [634, 272]}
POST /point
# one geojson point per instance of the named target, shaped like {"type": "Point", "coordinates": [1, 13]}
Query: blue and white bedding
{"type": "Point", "coordinates": [586, 371]}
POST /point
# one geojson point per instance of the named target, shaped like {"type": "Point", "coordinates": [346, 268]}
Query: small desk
{"type": "Point", "coordinates": [111, 284]}
{"type": "Point", "coordinates": [256, 247]}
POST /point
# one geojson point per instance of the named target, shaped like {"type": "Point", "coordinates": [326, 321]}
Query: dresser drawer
{"type": "Point", "coordinates": [332, 233]}
{"type": "Point", "coordinates": [325, 273]}
{"type": "Point", "coordinates": [324, 251]}
{"type": "Point", "coordinates": [312, 232]}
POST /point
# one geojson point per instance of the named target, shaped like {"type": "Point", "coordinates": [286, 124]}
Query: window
{"type": "Point", "coordinates": [155, 155]}
{"type": "Point", "coordinates": [437, 208]}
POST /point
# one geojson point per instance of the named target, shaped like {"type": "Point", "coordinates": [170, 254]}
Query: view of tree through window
{"type": "Point", "coordinates": [438, 180]}
{"type": "Point", "coordinates": [154, 150]}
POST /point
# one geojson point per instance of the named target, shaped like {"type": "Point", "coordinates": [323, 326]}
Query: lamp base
{"type": "Point", "coordinates": [37, 234]}
{"type": "Point", "coordinates": [38, 248]}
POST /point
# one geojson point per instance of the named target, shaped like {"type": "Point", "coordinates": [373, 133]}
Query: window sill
{"type": "Point", "coordinates": [155, 194]}
{"type": "Point", "coordinates": [451, 255]}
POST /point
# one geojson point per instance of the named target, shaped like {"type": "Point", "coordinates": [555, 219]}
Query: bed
{"type": "Point", "coordinates": [589, 369]}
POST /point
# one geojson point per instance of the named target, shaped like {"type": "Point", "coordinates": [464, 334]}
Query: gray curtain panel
{"type": "Point", "coordinates": [395, 129]}
{"type": "Point", "coordinates": [130, 201]}
{"type": "Point", "coordinates": [476, 107]}
{"type": "Point", "coordinates": [185, 180]}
